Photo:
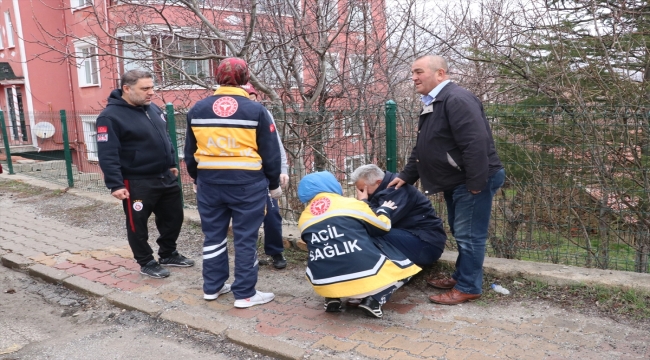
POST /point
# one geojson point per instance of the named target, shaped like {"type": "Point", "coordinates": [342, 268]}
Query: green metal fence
{"type": "Point", "coordinates": [578, 179]}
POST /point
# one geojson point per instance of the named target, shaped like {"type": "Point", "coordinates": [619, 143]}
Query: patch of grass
{"type": "Point", "coordinates": [21, 189]}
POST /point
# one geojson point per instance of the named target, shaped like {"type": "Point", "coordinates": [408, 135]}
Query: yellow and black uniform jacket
{"type": "Point", "coordinates": [232, 140]}
{"type": "Point", "coordinates": [344, 260]}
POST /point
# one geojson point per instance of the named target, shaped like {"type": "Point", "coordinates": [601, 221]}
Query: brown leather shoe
{"type": "Point", "coordinates": [453, 297]}
{"type": "Point", "coordinates": [442, 283]}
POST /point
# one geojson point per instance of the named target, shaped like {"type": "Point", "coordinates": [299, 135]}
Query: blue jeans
{"type": "Point", "coordinates": [469, 218]}
{"type": "Point", "coordinates": [416, 250]}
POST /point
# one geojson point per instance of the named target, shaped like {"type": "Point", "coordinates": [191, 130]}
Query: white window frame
{"type": "Point", "coordinates": [349, 125]}
{"type": "Point", "coordinates": [89, 124]}
{"type": "Point", "coordinates": [146, 63]}
{"type": "Point", "coordinates": [358, 73]}
{"type": "Point", "coordinates": [2, 42]}
{"type": "Point", "coordinates": [84, 61]}
{"type": "Point", "coordinates": [10, 30]}
{"type": "Point", "coordinates": [332, 66]}
{"type": "Point", "coordinates": [349, 164]}
{"type": "Point", "coordinates": [80, 4]}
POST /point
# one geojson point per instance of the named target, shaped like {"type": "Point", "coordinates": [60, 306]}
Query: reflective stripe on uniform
{"type": "Point", "coordinates": [239, 122]}
{"type": "Point", "coordinates": [220, 164]}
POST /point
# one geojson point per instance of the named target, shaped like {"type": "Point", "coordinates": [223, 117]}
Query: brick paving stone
{"type": "Point", "coordinates": [400, 355]}
{"type": "Point", "coordinates": [77, 270]}
{"type": "Point", "coordinates": [337, 330]}
{"type": "Point", "coordinates": [439, 326]}
{"type": "Point", "coordinates": [124, 252]}
{"type": "Point", "coordinates": [92, 275]}
{"type": "Point", "coordinates": [335, 344]}
{"type": "Point", "coordinates": [219, 305]}
{"type": "Point", "coordinates": [271, 318]}
{"type": "Point", "coordinates": [243, 313]}
{"type": "Point", "coordinates": [489, 348]}
{"type": "Point", "coordinates": [374, 326]}
{"type": "Point", "coordinates": [539, 330]}
{"type": "Point", "coordinates": [127, 285]}
{"type": "Point", "coordinates": [499, 324]}
{"type": "Point", "coordinates": [398, 308]}
{"type": "Point", "coordinates": [443, 338]}
{"type": "Point", "coordinates": [404, 343]}
{"type": "Point", "coordinates": [458, 354]}
{"type": "Point", "coordinates": [169, 297]}
{"type": "Point", "coordinates": [64, 265]}
{"type": "Point", "coordinates": [108, 280]}
{"type": "Point", "coordinates": [104, 266]}
{"type": "Point", "coordinates": [309, 313]}
{"type": "Point", "coordinates": [375, 338]}
{"type": "Point", "coordinates": [145, 280]}
{"type": "Point", "coordinates": [505, 338]}
{"type": "Point", "coordinates": [41, 257]}
{"type": "Point", "coordinates": [466, 319]}
{"type": "Point", "coordinates": [101, 254]}
{"type": "Point", "coordinates": [474, 331]}
{"type": "Point", "coordinates": [278, 307]}
{"type": "Point", "coordinates": [192, 300]}
{"type": "Point", "coordinates": [367, 351]}
{"type": "Point", "coordinates": [302, 336]}
{"type": "Point", "coordinates": [267, 329]}
{"type": "Point", "coordinates": [435, 350]}
{"type": "Point", "coordinates": [412, 334]}
{"type": "Point", "coordinates": [90, 262]}
{"type": "Point", "coordinates": [304, 323]}
{"type": "Point", "coordinates": [77, 258]}
{"type": "Point", "coordinates": [132, 266]}
{"type": "Point", "coordinates": [516, 352]}
{"type": "Point", "coordinates": [117, 260]}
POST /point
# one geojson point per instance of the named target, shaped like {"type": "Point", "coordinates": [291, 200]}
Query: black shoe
{"type": "Point", "coordinates": [332, 305]}
{"type": "Point", "coordinates": [279, 262]}
{"type": "Point", "coordinates": [154, 270]}
{"type": "Point", "coordinates": [371, 307]}
{"type": "Point", "coordinates": [177, 259]}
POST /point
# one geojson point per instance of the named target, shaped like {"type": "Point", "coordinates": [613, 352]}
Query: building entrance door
{"type": "Point", "coordinates": [16, 114]}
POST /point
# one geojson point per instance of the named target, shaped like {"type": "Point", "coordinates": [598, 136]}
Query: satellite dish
{"type": "Point", "coordinates": [44, 130]}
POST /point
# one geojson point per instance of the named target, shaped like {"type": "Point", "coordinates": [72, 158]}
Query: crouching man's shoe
{"type": "Point", "coordinates": [453, 297]}
{"type": "Point", "coordinates": [371, 307]}
{"type": "Point", "coordinates": [332, 305]}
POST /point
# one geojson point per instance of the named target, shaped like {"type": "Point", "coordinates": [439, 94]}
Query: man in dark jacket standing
{"type": "Point", "coordinates": [139, 166]}
{"type": "Point", "coordinates": [455, 153]}
{"type": "Point", "coordinates": [416, 231]}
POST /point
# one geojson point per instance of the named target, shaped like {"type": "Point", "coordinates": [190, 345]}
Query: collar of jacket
{"type": "Point", "coordinates": [230, 90]}
{"type": "Point", "coordinates": [445, 92]}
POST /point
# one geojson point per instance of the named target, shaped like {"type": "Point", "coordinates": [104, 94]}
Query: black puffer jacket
{"type": "Point", "coordinates": [454, 144]}
{"type": "Point", "coordinates": [414, 212]}
{"type": "Point", "coordinates": [132, 142]}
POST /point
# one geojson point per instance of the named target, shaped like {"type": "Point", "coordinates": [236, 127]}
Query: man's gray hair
{"type": "Point", "coordinates": [368, 173]}
{"type": "Point", "coordinates": [131, 77]}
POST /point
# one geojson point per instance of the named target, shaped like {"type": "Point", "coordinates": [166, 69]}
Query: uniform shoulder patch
{"type": "Point", "coordinates": [102, 129]}
{"type": "Point", "coordinates": [320, 206]}
{"type": "Point", "coordinates": [225, 106]}
{"type": "Point", "coordinates": [102, 137]}
{"type": "Point", "coordinates": [272, 127]}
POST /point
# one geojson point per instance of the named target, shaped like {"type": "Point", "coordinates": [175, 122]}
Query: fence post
{"type": "Point", "coordinates": [66, 149]}
{"type": "Point", "coordinates": [6, 142]}
{"type": "Point", "coordinates": [391, 136]}
{"type": "Point", "coordinates": [171, 127]}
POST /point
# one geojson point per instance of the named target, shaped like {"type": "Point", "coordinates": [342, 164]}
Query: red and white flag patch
{"type": "Point", "coordinates": [102, 129]}
{"type": "Point", "coordinates": [272, 127]}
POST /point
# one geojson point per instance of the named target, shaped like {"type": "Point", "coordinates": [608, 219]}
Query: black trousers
{"type": "Point", "coordinates": [163, 197]}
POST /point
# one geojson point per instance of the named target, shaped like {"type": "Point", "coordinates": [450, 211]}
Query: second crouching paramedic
{"type": "Point", "coordinates": [232, 152]}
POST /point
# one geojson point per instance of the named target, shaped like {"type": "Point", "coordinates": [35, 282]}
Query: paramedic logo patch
{"type": "Point", "coordinates": [225, 106]}
{"type": "Point", "coordinates": [319, 206]}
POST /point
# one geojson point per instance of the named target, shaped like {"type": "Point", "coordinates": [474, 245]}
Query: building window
{"type": "Point", "coordinates": [360, 69]}
{"type": "Point", "coordinates": [360, 16]}
{"type": "Point", "coordinates": [76, 4]}
{"type": "Point", "coordinates": [331, 67]}
{"type": "Point", "coordinates": [329, 11]}
{"type": "Point", "coordinates": [134, 55]}
{"type": "Point", "coordinates": [351, 163]}
{"type": "Point", "coordinates": [10, 30]}
{"type": "Point", "coordinates": [90, 136]}
{"type": "Point", "coordinates": [87, 64]}
{"type": "Point", "coordinates": [352, 125]}
{"type": "Point", "coordinates": [2, 43]}
{"type": "Point", "coordinates": [173, 71]}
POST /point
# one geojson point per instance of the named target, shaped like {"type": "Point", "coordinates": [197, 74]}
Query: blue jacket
{"type": "Point", "coordinates": [414, 212]}
{"type": "Point", "coordinates": [454, 144]}
{"type": "Point", "coordinates": [232, 140]}
{"type": "Point", "coordinates": [132, 142]}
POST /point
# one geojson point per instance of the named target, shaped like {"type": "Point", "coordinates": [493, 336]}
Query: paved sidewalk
{"type": "Point", "coordinates": [294, 325]}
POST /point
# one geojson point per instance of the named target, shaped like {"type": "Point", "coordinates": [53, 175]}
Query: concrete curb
{"type": "Point", "coordinates": [48, 274]}
{"type": "Point", "coordinates": [86, 286]}
{"type": "Point", "coordinates": [16, 262]}
{"type": "Point", "coordinates": [266, 346]}
{"type": "Point", "coordinates": [129, 302]}
{"type": "Point", "coordinates": [201, 324]}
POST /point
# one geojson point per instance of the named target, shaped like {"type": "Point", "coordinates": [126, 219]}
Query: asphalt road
{"type": "Point", "coordinates": [44, 321]}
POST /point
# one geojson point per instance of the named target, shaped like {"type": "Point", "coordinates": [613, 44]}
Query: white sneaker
{"type": "Point", "coordinates": [258, 299]}
{"type": "Point", "coordinates": [224, 289]}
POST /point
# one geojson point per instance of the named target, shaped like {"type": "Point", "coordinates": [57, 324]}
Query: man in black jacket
{"type": "Point", "coordinates": [139, 166]}
{"type": "Point", "coordinates": [455, 153]}
{"type": "Point", "coordinates": [416, 230]}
